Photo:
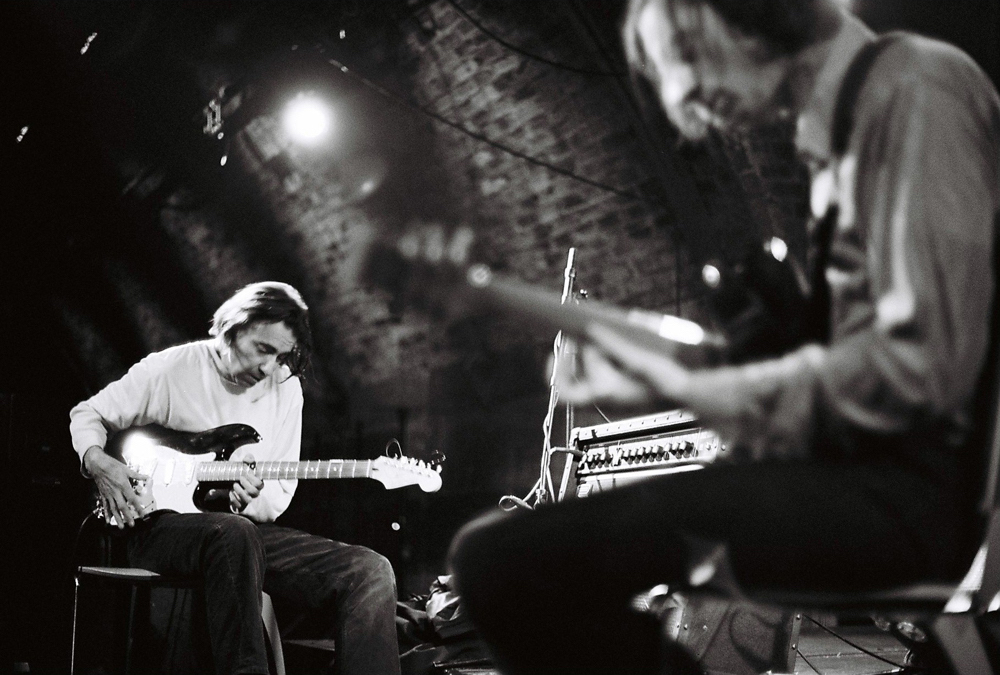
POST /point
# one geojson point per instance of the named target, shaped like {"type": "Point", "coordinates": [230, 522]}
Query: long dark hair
{"type": "Point", "coordinates": [267, 302]}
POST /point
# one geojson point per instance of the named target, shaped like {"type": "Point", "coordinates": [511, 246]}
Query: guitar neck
{"type": "Point", "coordinates": [441, 284]}
{"type": "Point", "coordinates": [212, 472]}
{"type": "Point", "coordinates": [687, 341]}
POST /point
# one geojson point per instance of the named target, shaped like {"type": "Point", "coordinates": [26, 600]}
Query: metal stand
{"type": "Point", "coordinates": [543, 491]}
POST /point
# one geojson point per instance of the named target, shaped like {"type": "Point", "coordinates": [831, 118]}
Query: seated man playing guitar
{"type": "Point", "coordinates": [246, 374]}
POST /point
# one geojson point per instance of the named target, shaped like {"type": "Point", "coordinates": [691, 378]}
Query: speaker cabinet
{"type": "Point", "coordinates": [736, 638]}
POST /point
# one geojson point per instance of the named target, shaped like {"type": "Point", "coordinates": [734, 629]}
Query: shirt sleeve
{"type": "Point", "coordinates": [276, 495]}
{"type": "Point", "coordinates": [121, 404]}
{"type": "Point", "coordinates": [911, 339]}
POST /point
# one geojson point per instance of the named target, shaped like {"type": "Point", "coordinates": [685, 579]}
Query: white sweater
{"type": "Point", "coordinates": [182, 388]}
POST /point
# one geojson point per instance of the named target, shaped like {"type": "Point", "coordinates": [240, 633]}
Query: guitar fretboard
{"type": "Point", "coordinates": [321, 468]}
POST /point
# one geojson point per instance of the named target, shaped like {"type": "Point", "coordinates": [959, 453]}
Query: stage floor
{"type": "Point", "coordinates": [821, 652]}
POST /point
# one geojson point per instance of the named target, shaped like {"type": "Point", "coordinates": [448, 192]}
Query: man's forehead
{"type": "Point", "coordinates": [278, 335]}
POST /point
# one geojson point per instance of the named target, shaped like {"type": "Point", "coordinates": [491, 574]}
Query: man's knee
{"type": "Point", "coordinates": [473, 550]}
{"type": "Point", "coordinates": [375, 570]}
{"type": "Point", "coordinates": [366, 587]}
{"type": "Point", "coordinates": [236, 534]}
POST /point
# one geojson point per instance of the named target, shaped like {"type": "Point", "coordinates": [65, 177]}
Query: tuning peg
{"type": "Point", "coordinates": [437, 458]}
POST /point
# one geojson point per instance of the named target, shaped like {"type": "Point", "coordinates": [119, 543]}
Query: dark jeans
{"type": "Point", "coordinates": [549, 589]}
{"type": "Point", "coordinates": [334, 590]}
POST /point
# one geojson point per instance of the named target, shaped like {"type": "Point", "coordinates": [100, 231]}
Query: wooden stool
{"type": "Point", "coordinates": [142, 581]}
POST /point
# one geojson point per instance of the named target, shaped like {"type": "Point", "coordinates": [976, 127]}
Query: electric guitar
{"type": "Point", "coordinates": [184, 467]}
{"type": "Point", "coordinates": [759, 305]}
{"type": "Point", "coordinates": [434, 281]}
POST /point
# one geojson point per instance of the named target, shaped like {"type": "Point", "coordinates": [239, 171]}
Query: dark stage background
{"type": "Point", "coordinates": [123, 229]}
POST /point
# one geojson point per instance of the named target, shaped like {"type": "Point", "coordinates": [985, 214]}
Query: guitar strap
{"type": "Point", "coordinates": [818, 325]}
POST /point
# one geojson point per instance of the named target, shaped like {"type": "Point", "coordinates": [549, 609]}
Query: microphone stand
{"type": "Point", "coordinates": [543, 492]}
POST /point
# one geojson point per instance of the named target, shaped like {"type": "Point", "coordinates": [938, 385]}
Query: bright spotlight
{"type": "Point", "coordinates": [307, 118]}
{"type": "Point", "coordinates": [711, 275]}
{"type": "Point", "coordinates": [778, 248]}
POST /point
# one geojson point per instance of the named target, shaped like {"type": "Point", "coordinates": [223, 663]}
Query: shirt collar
{"type": "Point", "coordinates": [813, 127]}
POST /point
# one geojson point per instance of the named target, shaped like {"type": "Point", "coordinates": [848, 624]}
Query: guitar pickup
{"type": "Point", "coordinates": [168, 471]}
{"type": "Point", "coordinates": [146, 466]}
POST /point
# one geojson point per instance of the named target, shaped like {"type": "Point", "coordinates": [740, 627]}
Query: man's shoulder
{"type": "Point", "coordinates": [287, 383]}
{"type": "Point", "coordinates": [912, 60]}
{"type": "Point", "coordinates": [186, 354]}
{"type": "Point", "coordinates": [918, 75]}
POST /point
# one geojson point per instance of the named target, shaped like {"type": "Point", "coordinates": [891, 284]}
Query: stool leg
{"type": "Point", "coordinates": [130, 631]}
{"type": "Point", "coordinates": [271, 632]}
{"type": "Point", "coordinates": [72, 647]}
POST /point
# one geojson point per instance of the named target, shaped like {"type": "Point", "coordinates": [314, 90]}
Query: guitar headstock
{"type": "Point", "coordinates": [424, 268]}
{"type": "Point", "coordinates": [397, 472]}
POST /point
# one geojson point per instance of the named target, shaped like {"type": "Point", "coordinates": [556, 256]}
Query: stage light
{"type": "Point", "coordinates": [778, 248]}
{"type": "Point", "coordinates": [711, 275]}
{"type": "Point", "coordinates": [307, 118]}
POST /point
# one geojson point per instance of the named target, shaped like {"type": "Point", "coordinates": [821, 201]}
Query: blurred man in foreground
{"type": "Point", "coordinates": [862, 449]}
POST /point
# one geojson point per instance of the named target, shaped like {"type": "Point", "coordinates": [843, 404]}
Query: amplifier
{"type": "Point", "coordinates": [726, 637]}
{"type": "Point", "coordinates": [618, 453]}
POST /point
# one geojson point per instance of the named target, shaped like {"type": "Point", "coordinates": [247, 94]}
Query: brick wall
{"type": "Point", "coordinates": [529, 135]}
{"type": "Point", "coordinates": [537, 158]}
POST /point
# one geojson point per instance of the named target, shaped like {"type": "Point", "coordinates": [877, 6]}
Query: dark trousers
{"type": "Point", "coordinates": [549, 589]}
{"type": "Point", "coordinates": [321, 589]}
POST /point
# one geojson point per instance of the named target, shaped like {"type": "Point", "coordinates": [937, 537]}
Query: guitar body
{"type": "Point", "coordinates": [171, 485]}
{"type": "Point", "coordinates": [183, 468]}
{"type": "Point", "coordinates": [171, 460]}
{"type": "Point", "coordinates": [763, 307]}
